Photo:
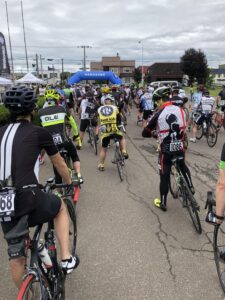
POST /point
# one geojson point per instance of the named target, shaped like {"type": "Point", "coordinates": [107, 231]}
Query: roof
{"type": "Point", "coordinates": [218, 71]}
{"type": "Point", "coordinates": [171, 69]}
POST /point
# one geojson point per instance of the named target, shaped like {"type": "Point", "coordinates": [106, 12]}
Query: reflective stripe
{"type": "Point", "coordinates": [222, 165]}
{"type": "Point", "coordinates": [6, 151]}
{"type": "Point", "coordinates": [52, 118]}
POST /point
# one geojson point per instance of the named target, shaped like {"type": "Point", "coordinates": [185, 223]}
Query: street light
{"type": "Point", "coordinates": [142, 66]}
{"type": "Point", "coordinates": [84, 47]}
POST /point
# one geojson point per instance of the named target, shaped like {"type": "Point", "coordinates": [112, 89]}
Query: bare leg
{"type": "Point", "coordinates": [76, 166]}
{"type": "Point", "coordinates": [123, 144]}
{"type": "Point", "coordinates": [81, 136]}
{"type": "Point", "coordinates": [103, 152]}
{"type": "Point", "coordinates": [194, 131]}
{"type": "Point", "coordinates": [61, 223]}
{"type": "Point", "coordinates": [17, 268]}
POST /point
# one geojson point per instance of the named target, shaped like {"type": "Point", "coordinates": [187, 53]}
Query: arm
{"type": "Point", "coordinates": [147, 131]}
{"type": "Point", "coordinates": [73, 125]}
{"type": "Point", "coordinates": [61, 167]}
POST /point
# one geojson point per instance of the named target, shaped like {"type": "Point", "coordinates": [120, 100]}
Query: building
{"type": "Point", "coordinates": [218, 75]}
{"type": "Point", "coordinates": [166, 71]}
{"type": "Point", "coordinates": [122, 68]}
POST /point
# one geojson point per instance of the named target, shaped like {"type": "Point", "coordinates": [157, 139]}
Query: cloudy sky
{"type": "Point", "coordinates": [166, 28]}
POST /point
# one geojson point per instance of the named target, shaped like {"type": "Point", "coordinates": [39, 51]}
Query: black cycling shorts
{"type": "Point", "coordinates": [70, 104]}
{"type": "Point", "coordinates": [106, 140]}
{"type": "Point", "coordinates": [85, 122]}
{"type": "Point", "coordinates": [147, 114]}
{"type": "Point", "coordinates": [47, 209]}
{"type": "Point", "coordinates": [165, 162]}
{"type": "Point", "coordinates": [222, 108]}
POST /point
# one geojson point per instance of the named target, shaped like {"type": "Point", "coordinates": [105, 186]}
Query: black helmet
{"type": "Point", "coordinates": [20, 99]}
{"type": "Point", "coordinates": [175, 89]}
{"type": "Point", "coordinates": [206, 93]}
{"type": "Point", "coordinates": [161, 93]}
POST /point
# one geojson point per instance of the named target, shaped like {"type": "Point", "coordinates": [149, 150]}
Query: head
{"type": "Point", "coordinates": [89, 95]}
{"type": "Point", "coordinates": [20, 101]}
{"type": "Point", "coordinates": [109, 100]}
{"type": "Point", "coordinates": [161, 95]}
{"type": "Point", "coordinates": [52, 97]}
{"type": "Point", "coordinates": [175, 90]}
{"type": "Point", "coordinates": [206, 93]}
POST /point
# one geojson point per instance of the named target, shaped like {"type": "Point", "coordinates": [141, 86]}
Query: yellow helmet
{"type": "Point", "coordinates": [106, 90]}
{"type": "Point", "coordinates": [52, 94]}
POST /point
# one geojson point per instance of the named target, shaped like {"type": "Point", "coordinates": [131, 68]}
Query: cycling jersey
{"type": "Point", "coordinates": [171, 127]}
{"type": "Point", "coordinates": [88, 109]}
{"type": "Point", "coordinates": [177, 100]}
{"type": "Point", "coordinates": [206, 104]}
{"type": "Point", "coordinates": [68, 97]}
{"type": "Point", "coordinates": [53, 118]}
{"type": "Point", "coordinates": [109, 119]}
{"type": "Point", "coordinates": [146, 102]}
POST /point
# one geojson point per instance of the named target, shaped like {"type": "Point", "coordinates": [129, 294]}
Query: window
{"type": "Point", "coordinates": [115, 70]}
{"type": "Point", "coordinates": [127, 70]}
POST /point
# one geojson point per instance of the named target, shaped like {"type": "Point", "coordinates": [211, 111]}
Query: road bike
{"type": "Point", "coordinates": [118, 158]}
{"type": "Point", "coordinates": [179, 188]}
{"type": "Point", "coordinates": [207, 129]}
{"type": "Point", "coordinates": [41, 280]}
{"type": "Point", "coordinates": [92, 137]}
{"type": "Point", "coordinates": [218, 238]}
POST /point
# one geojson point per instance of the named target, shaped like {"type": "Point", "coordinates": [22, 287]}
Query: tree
{"type": "Point", "coordinates": [137, 75]}
{"type": "Point", "coordinates": [194, 64]}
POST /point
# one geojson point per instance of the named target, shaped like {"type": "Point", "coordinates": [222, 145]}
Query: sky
{"type": "Point", "coordinates": [166, 28]}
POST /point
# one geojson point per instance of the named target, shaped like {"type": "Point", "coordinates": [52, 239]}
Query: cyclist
{"type": "Point", "coordinates": [146, 106]}
{"type": "Point", "coordinates": [176, 99]}
{"type": "Point", "coordinates": [68, 94]}
{"type": "Point", "coordinates": [88, 112]}
{"type": "Point", "coordinates": [220, 102]}
{"type": "Point", "coordinates": [170, 123]}
{"type": "Point", "coordinates": [110, 121]}
{"type": "Point", "coordinates": [53, 119]}
{"type": "Point", "coordinates": [206, 107]}
{"type": "Point", "coordinates": [21, 143]}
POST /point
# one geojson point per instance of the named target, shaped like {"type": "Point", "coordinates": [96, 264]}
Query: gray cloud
{"type": "Point", "coordinates": [54, 29]}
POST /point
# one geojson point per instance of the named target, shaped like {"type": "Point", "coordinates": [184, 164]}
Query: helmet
{"type": "Point", "coordinates": [106, 89]}
{"type": "Point", "coordinates": [161, 93]}
{"type": "Point", "coordinates": [89, 95]}
{"type": "Point", "coordinates": [114, 88]}
{"type": "Point", "coordinates": [109, 98]}
{"type": "Point", "coordinates": [175, 89]}
{"type": "Point", "coordinates": [20, 99]}
{"type": "Point", "coordinates": [52, 95]}
{"type": "Point", "coordinates": [206, 93]}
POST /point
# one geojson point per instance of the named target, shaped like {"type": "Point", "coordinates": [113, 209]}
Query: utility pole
{"type": "Point", "coordinates": [84, 60]}
{"type": "Point", "coordinates": [24, 36]}
{"type": "Point", "coordinates": [62, 61]}
{"type": "Point", "coordinates": [142, 64]}
{"type": "Point", "coordinates": [10, 45]}
{"type": "Point", "coordinates": [37, 65]}
{"type": "Point", "coordinates": [41, 66]}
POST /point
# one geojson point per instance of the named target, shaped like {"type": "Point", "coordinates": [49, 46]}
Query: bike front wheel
{"type": "Point", "coordinates": [219, 252]}
{"type": "Point", "coordinates": [200, 132]}
{"type": "Point", "coordinates": [72, 225]}
{"type": "Point", "coordinates": [120, 163]}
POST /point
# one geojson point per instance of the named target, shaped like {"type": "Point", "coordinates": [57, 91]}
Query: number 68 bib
{"type": "Point", "coordinates": [7, 204]}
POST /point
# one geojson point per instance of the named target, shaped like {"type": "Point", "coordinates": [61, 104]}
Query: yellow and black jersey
{"type": "Point", "coordinates": [109, 119]}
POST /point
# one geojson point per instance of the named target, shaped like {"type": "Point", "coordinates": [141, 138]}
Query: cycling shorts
{"type": "Point", "coordinates": [47, 209]}
{"type": "Point", "coordinates": [106, 140]}
{"type": "Point", "coordinates": [70, 104]}
{"type": "Point", "coordinates": [165, 162]}
{"type": "Point", "coordinates": [85, 122]}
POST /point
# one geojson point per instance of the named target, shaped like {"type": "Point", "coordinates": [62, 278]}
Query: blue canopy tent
{"type": "Point", "coordinates": [94, 75]}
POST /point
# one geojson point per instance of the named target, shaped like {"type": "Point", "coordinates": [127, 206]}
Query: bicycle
{"type": "Point", "coordinates": [46, 281]}
{"type": "Point", "coordinates": [207, 129]}
{"type": "Point", "coordinates": [179, 187]}
{"type": "Point", "coordinates": [118, 158]}
{"type": "Point", "coordinates": [218, 239]}
{"type": "Point", "coordinates": [92, 137]}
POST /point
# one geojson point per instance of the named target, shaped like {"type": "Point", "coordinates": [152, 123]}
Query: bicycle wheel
{"type": "Point", "coordinates": [186, 113]}
{"type": "Point", "coordinates": [192, 207]}
{"type": "Point", "coordinates": [119, 162]}
{"type": "Point", "coordinates": [34, 289]}
{"type": "Point", "coordinates": [93, 140]}
{"type": "Point", "coordinates": [173, 184]}
{"type": "Point", "coordinates": [211, 136]}
{"type": "Point", "coordinates": [199, 133]}
{"type": "Point", "coordinates": [72, 225]}
{"type": "Point", "coordinates": [219, 249]}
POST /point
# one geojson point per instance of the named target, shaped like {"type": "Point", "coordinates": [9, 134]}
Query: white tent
{"type": "Point", "coordinates": [30, 78]}
{"type": "Point", "coordinates": [4, 81]}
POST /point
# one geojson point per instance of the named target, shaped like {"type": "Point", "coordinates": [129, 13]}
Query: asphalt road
{"type": "Point", "coordinates": [128, 248]}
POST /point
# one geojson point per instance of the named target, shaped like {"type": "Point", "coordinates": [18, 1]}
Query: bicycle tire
{"type": "Point", "coordinates": [119, 163]}
{"type": "Point", "coordinates": [219, 234]}
{"type": "Point", "coordinates": [186, 111]}
{"type": "Point", "coordinates": [192, 208]}
{"type": "Point", "coordinates": [93, 140]}
{"type": "Point", "coordinates": [211, 143]}
{"type": "Point", "coordinates": [200, 132]}
{"type": "Point", "coordinates": [73, 225]}
{"type": "Point", "coordinates": [173, 185]}
{"type": "Point", "coordinates": [33, 287]}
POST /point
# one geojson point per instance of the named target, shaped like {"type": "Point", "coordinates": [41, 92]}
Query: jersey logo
{"type": "Point", "coordinates": [106, 111]}
{"type": "Point", "coordinates": [51, 118]}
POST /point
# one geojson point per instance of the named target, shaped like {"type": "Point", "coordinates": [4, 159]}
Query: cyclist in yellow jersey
{"type": "Point", "coordinates": [110, 123]}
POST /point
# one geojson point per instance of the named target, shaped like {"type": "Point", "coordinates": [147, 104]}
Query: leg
{"type": "Point", "coordinates": [81, 136]}
{"type": "Point", "coordinates": [17, 269]}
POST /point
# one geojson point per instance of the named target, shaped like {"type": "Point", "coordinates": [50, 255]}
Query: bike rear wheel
{"type": "Point", "coordinates": [212, 134]}
{"type": "Point", "coordinates": [218, 247]}
{"type": "Point", "coordinates": [119, 162]}
{"type": "Point", "coordinates": [93, 140]}
{"type": "Point", "coordinates": [192, 207]}
{"type": "Point", "coordinates": [200, 132]}
{"type": "Point", "coordinates": [33, 289]}
{"type": "Point", "coordinates": [72, 225]}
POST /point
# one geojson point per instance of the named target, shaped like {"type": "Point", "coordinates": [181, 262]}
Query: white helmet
{"type": "Point", "coordinates": [109, 98]}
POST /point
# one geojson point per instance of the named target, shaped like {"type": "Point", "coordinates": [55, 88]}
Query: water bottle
{"type": "Point", "coordinates": [210, 218]}
{"type": "Point", "coordinates": [44, 256]}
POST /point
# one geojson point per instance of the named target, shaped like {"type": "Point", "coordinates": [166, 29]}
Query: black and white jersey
{"type": "Point", "coordinates": [21, 144]}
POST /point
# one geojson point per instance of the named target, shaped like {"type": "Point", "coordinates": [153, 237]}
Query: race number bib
{"type": "Point", "coordinates": [7, 204]}
{"type": "Point", "coordinates": [57, 139]}
{"type": "Point", "coordinates": [176, 146]}
{"type": "Point", "coordinates": [84, 116]}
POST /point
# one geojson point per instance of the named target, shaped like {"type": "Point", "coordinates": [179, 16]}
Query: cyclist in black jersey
{"type": "Point", "coordinates": [171, 130]}
{"type": "Point", "coordinates": [21, 143]}
{"type": "Point", "coordinates": [53, 119]}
